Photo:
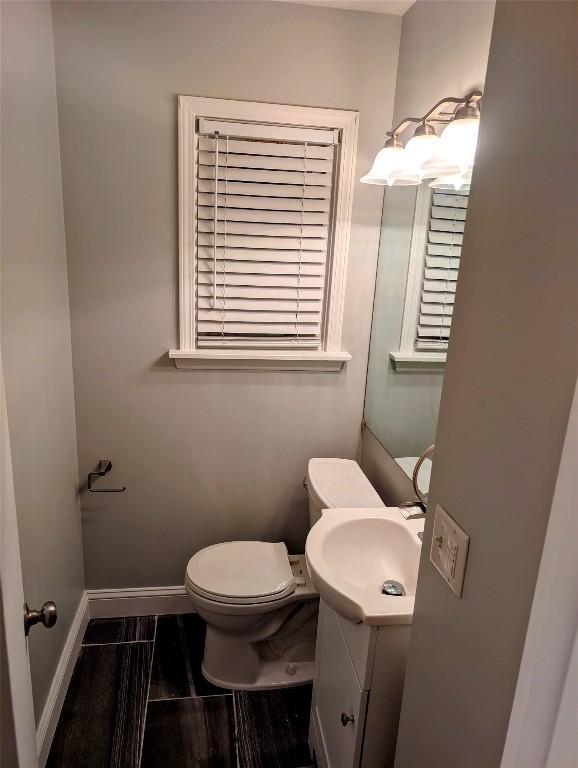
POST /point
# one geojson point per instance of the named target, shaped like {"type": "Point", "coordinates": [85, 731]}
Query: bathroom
{"type": "Point", "coordinates": [111, 114]}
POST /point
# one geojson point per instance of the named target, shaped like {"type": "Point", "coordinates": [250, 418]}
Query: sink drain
{"type": "Point", "coordinates": [392, 588]}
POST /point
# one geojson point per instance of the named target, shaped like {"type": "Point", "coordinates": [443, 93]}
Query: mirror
{"type": "Point", "coordinates": [419, 256]}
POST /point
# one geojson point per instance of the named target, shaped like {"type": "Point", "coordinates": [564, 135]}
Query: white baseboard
{"type": "Point", "coordinates": [60, 681]}
{"type": "Point", "coordinates": [138, 601]}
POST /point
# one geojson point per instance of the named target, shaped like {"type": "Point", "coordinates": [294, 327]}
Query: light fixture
{"type": "Point", "coordinates": [392, 167]}
{"type": "Point", "coordinates": [424, 143]}
{"type": "Point", "coordinates": [461, 136]}
{"type": "Point", "coordinates": [439, 164]}
{"type": "Point", "coordinates": [457, 182]}
{"type": "Point", "coordinates": [426, 155]}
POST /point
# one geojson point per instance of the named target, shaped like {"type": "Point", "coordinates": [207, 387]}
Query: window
{"type": "Point", "coordinates": [265, 201]}
{"type": "Point", "coordinates": [440, 217]}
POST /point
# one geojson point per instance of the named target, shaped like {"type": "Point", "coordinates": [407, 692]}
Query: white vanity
{"type": "Point", "coordinates": [363, 634]}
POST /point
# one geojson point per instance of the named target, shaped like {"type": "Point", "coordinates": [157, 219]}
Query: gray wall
{"type": "Point", "coordinates": [36, 333]}
{"type": "Point", "coordinates": [508, 387]}
{"type": "Point", "coordinates": [443, 52]}
{"type": "Point", "coordinates": [207, 456]}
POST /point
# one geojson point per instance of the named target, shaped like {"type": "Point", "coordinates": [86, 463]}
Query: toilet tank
{"type": "Point", "coordinates": [335, 483]}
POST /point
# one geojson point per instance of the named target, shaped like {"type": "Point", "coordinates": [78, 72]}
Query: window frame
{"type": "Point", "coordinates": [331, 357]}
{"type": "Point", "coordinates": [407, 358]}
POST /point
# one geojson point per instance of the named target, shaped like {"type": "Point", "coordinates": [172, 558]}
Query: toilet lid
{"type": "Point", "coordinates": [242, 570]}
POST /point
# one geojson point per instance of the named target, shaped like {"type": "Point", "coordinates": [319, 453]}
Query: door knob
{"type": "Point", "coordinates": [346, 719]}
{"type": "Point", "coordinates": [47, 615]}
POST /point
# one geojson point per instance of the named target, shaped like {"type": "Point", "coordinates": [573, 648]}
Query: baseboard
{"type": "Point", "coordinates": [51, 712]}
{"type": "Point", "coordinates": [138, 601]}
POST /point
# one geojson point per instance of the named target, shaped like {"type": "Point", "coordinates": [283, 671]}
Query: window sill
{"type": "Point", "coordinates": [406, 362]}
{"type": "Point", "coordinates": [255, 360]}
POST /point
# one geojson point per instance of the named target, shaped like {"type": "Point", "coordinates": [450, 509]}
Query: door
{"type": "Point", "coordinates": [18, 747]}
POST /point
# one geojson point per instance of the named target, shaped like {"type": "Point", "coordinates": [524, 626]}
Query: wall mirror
{"type": "Point", "coordinates": [419, 258]}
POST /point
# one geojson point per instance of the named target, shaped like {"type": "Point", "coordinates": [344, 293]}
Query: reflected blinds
{"type": "Point", "coordinates": [442, 261]}
{"type": "Point", "coordinates": [264, 197]}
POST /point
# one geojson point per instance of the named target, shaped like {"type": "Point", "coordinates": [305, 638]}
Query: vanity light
{"type": "Point", "coordinates": [440, 164]}
{"type": "Point", "coordinates": [461, 135]}
{"type": "Point", "coordinates": [392, 167]}
{"type": "Point", "coordinates": [424, 144]}
{"type": "Point", "coordinates": [427, 156]}
{"type": "Point", "coordinates": [457, 182]}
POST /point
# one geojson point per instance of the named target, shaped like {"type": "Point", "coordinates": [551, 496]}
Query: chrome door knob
{"type": "Point", "coordinates": [47, 615]}
{"type": "Point", "coordinates": [346, 719]}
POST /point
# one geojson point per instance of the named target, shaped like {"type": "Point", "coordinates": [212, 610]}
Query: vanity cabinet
{"type": "Point", "coordinates": [357, 689]}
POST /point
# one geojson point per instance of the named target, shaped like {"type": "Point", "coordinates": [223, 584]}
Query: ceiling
{"type": "Point", "coordinates": [395, 7]}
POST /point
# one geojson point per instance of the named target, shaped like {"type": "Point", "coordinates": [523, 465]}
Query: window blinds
{"type": "Point", "coordinates": [263, 216]}
{"type": "Point", "coordinates": [441, 265]}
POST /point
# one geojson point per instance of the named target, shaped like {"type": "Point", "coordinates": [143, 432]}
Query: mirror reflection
{"type": "Point", "coordinates": [419, 258]}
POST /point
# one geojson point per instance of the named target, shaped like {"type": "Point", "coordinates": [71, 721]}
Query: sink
{"type": "Point", "coordinates": [350, 553]}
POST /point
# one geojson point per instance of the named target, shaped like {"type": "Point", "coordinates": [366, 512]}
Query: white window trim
{"type": "Point", "coordinates": [332, 357]}
{"type": "Point", "coordinates": [407, 358]}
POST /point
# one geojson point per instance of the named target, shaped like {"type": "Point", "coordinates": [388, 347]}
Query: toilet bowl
{"type": "Point", "coordinates": [258, 600]}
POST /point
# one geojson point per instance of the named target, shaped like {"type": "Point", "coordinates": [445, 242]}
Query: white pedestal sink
{"type": "Point", "coordinates": [363, 635]}
{"type": "Point", "coordinates": [352, 552]}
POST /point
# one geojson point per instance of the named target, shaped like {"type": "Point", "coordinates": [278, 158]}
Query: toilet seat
{"type": "Point", "coordinates": [241, 572]}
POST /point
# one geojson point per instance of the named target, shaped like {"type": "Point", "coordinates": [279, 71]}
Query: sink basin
{"type": "Point", "coordinates": [350, 553]}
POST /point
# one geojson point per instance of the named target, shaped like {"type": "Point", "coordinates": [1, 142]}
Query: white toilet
{"type": "Point", "coordinates": [258, 601]}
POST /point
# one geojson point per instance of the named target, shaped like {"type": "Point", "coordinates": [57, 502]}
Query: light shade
{"type": "Point", "coordinates": [441, 163]}
{"type": "Point", "coordinates": [392, 167]}
{"type": "Point", "coordinates": [423, 145]}
{"type": "Point", "coordinates": [457, 182]}
{"type": "Point", "coordinates": [461, 136]}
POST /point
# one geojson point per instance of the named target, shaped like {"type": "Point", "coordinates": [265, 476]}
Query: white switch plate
{"type": "Point", "coordinates": [449, 549]}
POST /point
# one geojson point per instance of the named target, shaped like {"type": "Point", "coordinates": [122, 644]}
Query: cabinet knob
{"type": "Point", "coordinates": [346, 719]}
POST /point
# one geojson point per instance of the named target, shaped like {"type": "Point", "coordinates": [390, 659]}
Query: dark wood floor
{"type": "Point", "coordinates": [137, 699]}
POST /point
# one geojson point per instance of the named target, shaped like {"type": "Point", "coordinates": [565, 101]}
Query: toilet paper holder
{"type": "Point", "coordinates": [104, 466]}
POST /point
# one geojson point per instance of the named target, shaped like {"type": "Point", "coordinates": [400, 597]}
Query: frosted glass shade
{"type": "Point", "coordinates": [423, 148]}
{"type": "Point", "coordinates": [459, 181]}
{"type": "Point", "coordinates": [392, 167]}
{"type": "Point", "coordinates": [439, 164]}
{"type": "Point", "coordinates": [459, 141]}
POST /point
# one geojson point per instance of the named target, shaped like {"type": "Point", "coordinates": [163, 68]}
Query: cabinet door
{"type": "Point", "coordinates": [337, 693]}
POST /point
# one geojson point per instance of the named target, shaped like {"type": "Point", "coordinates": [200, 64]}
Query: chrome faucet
{"type": "Point", "coordinates": [421, 496]}
{"type": "Point", "coordinates": [421, 500]}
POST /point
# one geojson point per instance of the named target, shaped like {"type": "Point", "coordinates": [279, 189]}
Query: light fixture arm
{"type": "Point", "coordinates": [436, 114]}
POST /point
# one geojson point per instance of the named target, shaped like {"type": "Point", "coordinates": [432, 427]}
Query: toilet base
{"type": "Point", "coordinates": [272, 675]}
{"type": "Point", "coordinates": [244, 666]}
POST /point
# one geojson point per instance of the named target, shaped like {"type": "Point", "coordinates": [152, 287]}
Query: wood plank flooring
{"type": "Point", "coordinates": [190, 732]}
{"type": "Point", "coordinates": [137, 699]}
{"type": "Point", "coordinates": [272, 728]}
{"type": "Point", "coordinates": [103, 715]}
{"type": "Point", "coordinates": [179, 648]}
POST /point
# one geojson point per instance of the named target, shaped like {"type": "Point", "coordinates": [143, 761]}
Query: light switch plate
{"type": "Point", "coordinates": [449, 549]}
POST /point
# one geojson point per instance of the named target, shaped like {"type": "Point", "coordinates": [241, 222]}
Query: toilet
{"type": "Point", "coordinates": [258, 600]}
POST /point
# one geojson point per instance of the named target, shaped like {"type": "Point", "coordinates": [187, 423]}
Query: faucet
{"type": "Point", "coordinates": [421, 500]}
{"type": "Point", "coordinates": [421, 496]}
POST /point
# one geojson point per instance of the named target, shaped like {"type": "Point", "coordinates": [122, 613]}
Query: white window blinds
{"type": "Point", "coordinates": [264, 199]}
{"type": "Point", "coordinates": [442, 260]}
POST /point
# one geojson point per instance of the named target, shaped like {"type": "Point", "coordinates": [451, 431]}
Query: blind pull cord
{"type": "Point", "coordinates": [215, 219]}
{"type": "Point", "coordinates": [224, 302]}
{"type": "Point", "coordinates": [301, 245]}
{"type": "Point", "coordinates": [444, 307]}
